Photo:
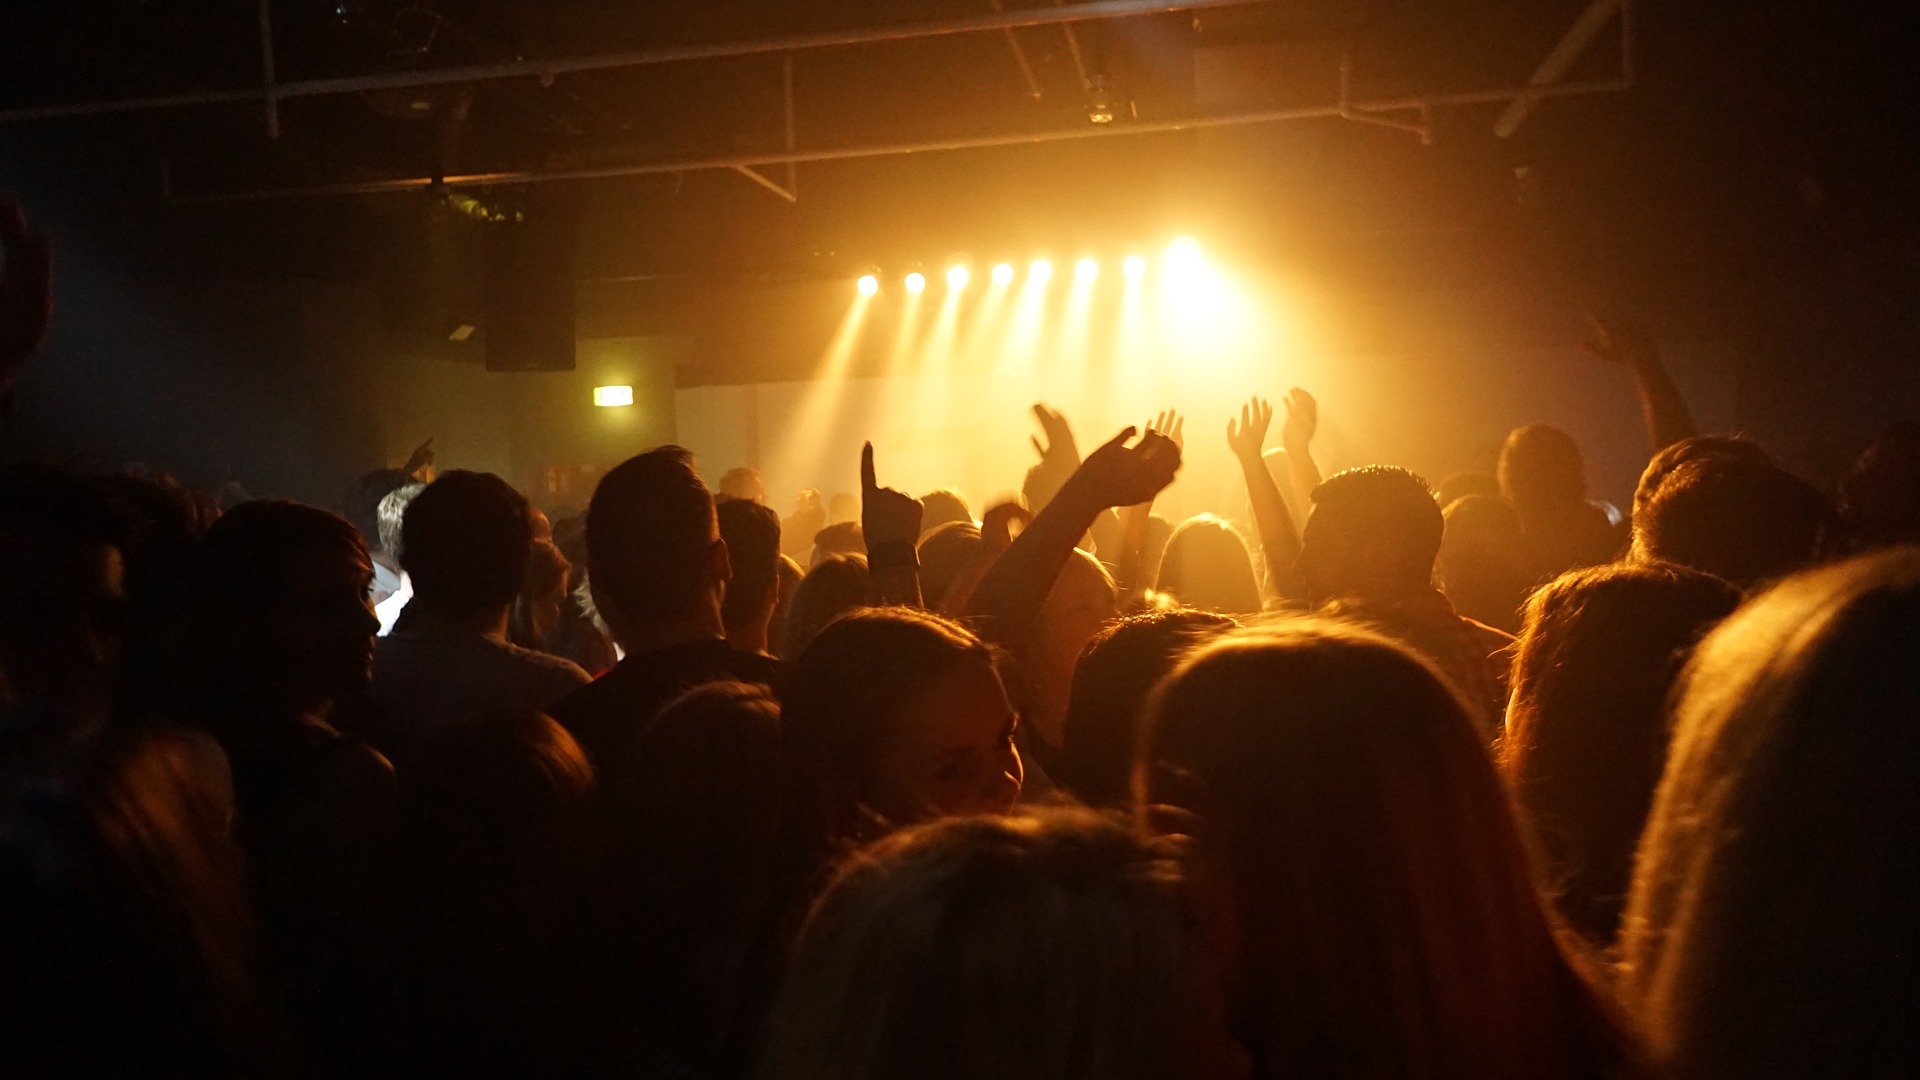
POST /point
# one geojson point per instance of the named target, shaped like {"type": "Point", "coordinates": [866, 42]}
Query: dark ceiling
{"type": "Point", "coordinates": [1768, 140]}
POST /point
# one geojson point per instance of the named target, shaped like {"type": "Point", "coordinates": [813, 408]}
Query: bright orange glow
{"type": "Point", "coordinates": [916, 282]}
{"type": "Point", "coordinates": [612, 397]}
{"type": "Point", "coordinates": [1085, 270]}
{"type": "Point", "coordinates": [1041, 271]}
{"type": "Point", "coordinates": [1135, 267]}
{"type": "Point", "coordinates": [868, 284]}
{"type": "Point", "coordinates": [1003, 274]}
{"type": "Point", "coordinates": [957, 277]}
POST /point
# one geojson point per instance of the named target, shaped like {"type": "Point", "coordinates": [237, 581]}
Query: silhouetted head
{"type": "Point", "coordinates": [752, 533]}
{"type": "Point", "coordinates": [1356, 844]}
{"type": "Point", "coordinates": [1770, 930]}
{"type": "Point", "coordinates": [653, 543]}
{"type": "Point", "coordinates": [1054, 946]}
{"type": "Point", "coordinates": [1206, 565]}
{"type": "Point", "coordinates": [1111, 682]}
{"type": "Point", "coordinates": [840, 538]}
{"type": "Point", "coordinates": [941, 506]}
{"type": "Point", "coordinates": [280, 606]}
{"type": "Point", "coordinates": [1880, 498]}
{"type": "Point", "coordinates": [1482, 566]}
{"type": "Point", "coordinates": [497, 809]}
{"type": "Point", "coordinates": [1690, 449]}
{"type": "Point", "coordinates": [1735, 518]}
{"type": "Point", "coordinates": [1541, 466]}
{"type": "Point", "coordinates": [835, 586]}
{"type": "Point", "coordinates": [1081, 602]}
{"type": "Point", "coordinates": [1373, 531]}
{"type": "Point", "coordinates": [946, 553]}
{"type": "Point", "coordinates": [64, 599]}
{"type": "Point", "coordinates": [892, 716]}
{"type": "Point", "coordinates": [1587, 724]}
{"type": "Point", "coordinates": [743, 483]}
{"type": "Point", "coordinates": [465, 542]}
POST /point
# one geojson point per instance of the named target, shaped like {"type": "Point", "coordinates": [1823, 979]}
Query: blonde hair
{"type": "Point", "coordinates": [1770, 928]}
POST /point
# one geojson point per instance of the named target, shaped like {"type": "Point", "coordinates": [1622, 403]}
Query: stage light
{"type": "Point", "coordinates": [1041, 270]}
{"type": "Point", "coordinates": [611, 397]}
{"type": "Point", "coordinates": [1135, 267]}
{"type": "Point", "coordinates": [868, 284]}
{"type": "Point", "coordinates": [957, 277]}
{"type": "Point", "coordinates": [916, 282]}
{"type": "Point", "coordinates": [1002, 273]}
{"type": "Point", "coordinates": [1085, 269]}
{"type": "Point", "coordinates": [1184, 257]}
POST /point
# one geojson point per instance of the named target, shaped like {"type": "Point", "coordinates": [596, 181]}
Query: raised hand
{"type": "Point", "coordinates": [1247, 436]}
{"type": "Point", "coordinates": [1171, 424]}
{"type": "Point", "coordinates": [26, 290]}
{"type": "Point", "coordinates": [420, 463]}
{"type": "Point", "coordinates": [1060, 446]}
{"type": "Point", "coordinates": [1303, 420]}
{"type": "Point", "coordinates": [1618, 340]}
{"type": "Point", "coordinates": [996, 528]}
{"type": "Point", "coordinates": [886, 515]}
{"type": "Point", "coordinates": [1120, 475]}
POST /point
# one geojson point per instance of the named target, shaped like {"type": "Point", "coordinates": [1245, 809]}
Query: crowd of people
{"type": "Point", "coordinates": [1360, 779]}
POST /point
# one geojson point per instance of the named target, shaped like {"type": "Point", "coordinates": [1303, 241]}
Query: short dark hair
{"type": "Point", "coordinates": [752, 533]}
{"type": "Point", "coordinates": [649, 528]}
{"type": "Point", "coordinates": [1384, 501]}
{"type": "Point", "coordinates": [1540, 464]}
{"type": "Point", "coordinates": [465, 542]}
{"type": "Point", "coordinates": [1736, 518]}
{"type": "Point", "coordinates": [361, 503]}
{"type": "Point", "coordinates": [243, 561]}
{"type": "Point", "coordinates": [1112, 681]}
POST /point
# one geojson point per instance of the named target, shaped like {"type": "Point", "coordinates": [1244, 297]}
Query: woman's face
{"type": "Point", "coordinates": [953, 752]}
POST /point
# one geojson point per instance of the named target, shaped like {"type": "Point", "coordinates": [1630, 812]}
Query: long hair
{"type": "Point", "coordinates": [1206, 565]}
{"type": "Point", "coordinates": [1053, 947]}
{"type": "Point", "coordinates": [1586, 732]}
{"type": "Point", "coordinates": [1384, 909]}
{"type": "Point", "coordinates": [844, 702]}
{"type": "Point", "coordinates": [1771, 927]}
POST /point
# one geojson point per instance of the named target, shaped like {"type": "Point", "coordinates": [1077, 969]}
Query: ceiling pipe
{"type": "Point", "coordinates": [844, 153]}
{"type": "Point", "coordinates": [670, 54]}
{"type": "Point", "coordinates": [1559, 61]}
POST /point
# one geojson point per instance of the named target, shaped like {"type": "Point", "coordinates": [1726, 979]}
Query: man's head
{"type": "Point", "coordinates": [654, 551]}
{"type": "Point", "coordinates": [743, 483]}
{"type": "Point", "coordinates": [940, 507]}
{"type": "Point", "coordinates": [1541, 465]}
{"type": "Point", "coordinates": [465, 542]}
{"type": "Point", "coordinates": [1740, 519]}
{"type": "Point", "coordinates": [280, 603]}
{"type": "Point", "coordinates": [63, 597]}
{"type": "Point", "coordinates": [752, 533]}
{"type": "Point", "coordinates": [1373, 531]}
{"type": "Point", "coordinates": [361, 504]}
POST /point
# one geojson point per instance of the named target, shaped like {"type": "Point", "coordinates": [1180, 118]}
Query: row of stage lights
{"type": "Point", "coordinates": [1182, 255]}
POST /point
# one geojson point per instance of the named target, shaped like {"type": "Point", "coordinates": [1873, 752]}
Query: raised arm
{"type": "Point", "coordinates": [1010, 595]}
{"type": "Point", "coordinates": [890, 522]}
{"type": "Point", "coordinates": [1296, 436]}
{"type": "Point", "coordinates": [1129, 569]}
{"type": "Point", "coordinates": [1279, 542]}
{"type": "Point", "coordinates": [1628, 344]}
